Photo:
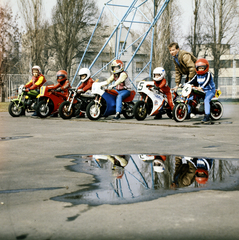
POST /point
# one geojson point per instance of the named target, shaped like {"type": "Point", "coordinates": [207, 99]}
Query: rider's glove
{"type": "Point", "coordinates": [58, 90]}
{"type": "Point", "coordinates": [157, 88]}
{"type": "Point", "coordinates": [111, 87]}
{"type": "Point", "coordinates": [27, 89]}
{"type": "Point", "coordinates": [80, 91]}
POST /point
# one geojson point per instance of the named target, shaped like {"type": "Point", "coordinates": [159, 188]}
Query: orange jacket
{"type": "Point", "coordinates": [64, 87]}
{"type": "Point", "coordinates": [162, 85]}
{"type": "Point", "coordinates": [86, 85]}
{"type": "Point", "coordinates": [36, 82]}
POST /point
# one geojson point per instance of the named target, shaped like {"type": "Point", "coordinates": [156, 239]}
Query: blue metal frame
{"type": "Point", "coordinates": [118, 52]}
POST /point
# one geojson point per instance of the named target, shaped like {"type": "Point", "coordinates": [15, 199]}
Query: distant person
{"type": "Point", "coordinates": [37, 80]}
{"type": "Point", "coordinates": [203, 80]}
{"type": "Point", "coordinates": [161, 83]}
{"type": "Point", "coordinates": [184, 63]}
{"type": "Point", "coordinates": [86, 84]}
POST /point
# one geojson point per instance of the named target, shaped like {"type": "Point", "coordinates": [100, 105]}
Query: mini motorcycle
{"type": "Point", "coordinates": [105, 103]}
{"type": "Point", "coordinates": [49, 101]}
{"type": "Point", "coordinates": [25, 101]}
{"type": "Point", "coordinates": [75, 103]}
{"type": "Point", "coordinates": [152, 101]}
{"type": "Point", "coordinates": [180, 110]}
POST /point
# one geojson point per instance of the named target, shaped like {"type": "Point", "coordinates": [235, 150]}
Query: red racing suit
{"type": "Point", "coordinates": [86, 85]}
{"type": "Point", "coordinates": [36, 82]}
{"type": "Point", "coordinates": [63, 86]}
{"type": "Point", "coordinates": [166, 90]}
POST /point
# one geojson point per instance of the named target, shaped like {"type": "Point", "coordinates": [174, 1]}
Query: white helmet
{"type": "Point", "coordinates": [37, 68]}
{"type": "Point", "coordinates": [159, 70]}
{"type": "Point", "coordinates": [84, 71]}
{"type": "Point", "coordinates": [145, 157]}
{"type": "Point", "coordinates": [159, 166]}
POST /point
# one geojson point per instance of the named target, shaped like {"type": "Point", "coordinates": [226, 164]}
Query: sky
{"type": "Point", "coordinates": [186, 6]}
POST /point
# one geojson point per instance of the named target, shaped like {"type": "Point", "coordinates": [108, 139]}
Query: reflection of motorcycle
{"type": "Point", "coordinates": [26, 100]}
{"type": "Point", "coordinates": [49, 101]}
{"type": "Point", "coordinates": [180, 110]}
{"type": "Point", "coordinates": [152, 101]}
{"type": "Point", "coordinates": [75, 104]}
{"type": "Point", "coordinates": [105, 103]}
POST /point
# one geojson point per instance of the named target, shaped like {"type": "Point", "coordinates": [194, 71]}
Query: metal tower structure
{"type": "Point", "coordinates": [130, 11]}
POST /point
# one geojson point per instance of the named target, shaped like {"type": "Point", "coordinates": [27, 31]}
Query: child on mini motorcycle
{"type": "Point", "coordinates": [122, 84]}
{"type": "Point", "coordinates": [87, 81]}
{"type": "Point", "coordinates": [203, 80]}
{"type": "Point", "coordinates": [38, 79]}
{"type": "Point", "coordinates": [161, 84]}
{"type": "Point", "coordinates": [63, 83]}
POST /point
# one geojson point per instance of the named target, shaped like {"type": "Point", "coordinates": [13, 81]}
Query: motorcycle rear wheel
{"type": "Point", "coordinates": [216, 110]}
{"type": "Point", "coordinates": [140, 110]}
{"type": "Point", "coordinates": [129, 111]}
{"type": "Point", "coordinates": [180, 112]}
{"type": "Point", "coordinates": [15, 111]}
{"type": "Point", "coordinates": [43, 109]}
{"type": "Point", "coordinates": [93, 111]}
{"type": "Point", "coordinates": [63, 110]}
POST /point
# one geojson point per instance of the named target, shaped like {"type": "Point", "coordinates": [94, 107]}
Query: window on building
{"type": "Point", "coordinates": [104, 66]}
{"type": "Point", "coordinates": [139, 66]}
{"type": "Point", "coordinates": [121, 46]}
{"type": "Point", "coordinates": [85, 65]}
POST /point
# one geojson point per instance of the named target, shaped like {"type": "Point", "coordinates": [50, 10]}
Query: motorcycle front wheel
{"type": "Point", "coordinates": [43, 109]}
{"type": "Point", "coordinates": [216, 110]}
{"type": "Point", "coordinates": [140, 110]}
{"type": "Point", "coordinates": [180, 112]}
{"type": "Point", "coordinates": [64, 111]}
{"type": "Point", "coordinates": [16, 109]}
{"type": "Point", "coordinates": [129, 111]}
{"type": "Point", "coordinates": [93, 111]}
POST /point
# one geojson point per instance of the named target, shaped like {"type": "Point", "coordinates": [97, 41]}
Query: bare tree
{"type": "Point", "coordinates": [9, 45]}
{"type": "Point", "coordinates": [35, 39]}
{"type": "Point", "coordinates": [72, 24]}
{"type": "Point", "coordinates": [166, 30]}
{"type": "Point", "coordinates": [222, 26]}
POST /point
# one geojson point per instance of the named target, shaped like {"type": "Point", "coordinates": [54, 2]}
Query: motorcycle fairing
{"type": "Point", "coordinates": [158, 103]}
{"type": "Point", "coordinates": [110, 104]}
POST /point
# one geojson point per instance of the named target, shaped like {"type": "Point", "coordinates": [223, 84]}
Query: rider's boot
{"type": "Point", "coordinates": [206, 118]}
{"type": "Point", "coordinates": [117, 116]}
{"type": "Point", "coordinates": [158, 116]}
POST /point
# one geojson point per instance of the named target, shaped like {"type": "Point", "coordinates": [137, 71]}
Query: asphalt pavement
{"type": "Point", "coordinates": [32, 174]}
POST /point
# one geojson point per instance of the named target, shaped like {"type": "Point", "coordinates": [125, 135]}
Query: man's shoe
{"type": "Point", "coordinates": [206, 118]}
{"type": "Point", "coordinates": [117, 116]}
{"type": "Point", "coordinates": [34, 114]}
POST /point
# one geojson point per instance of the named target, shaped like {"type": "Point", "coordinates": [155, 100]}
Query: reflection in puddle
{"type": "Point", "coordinates": [132, 178]}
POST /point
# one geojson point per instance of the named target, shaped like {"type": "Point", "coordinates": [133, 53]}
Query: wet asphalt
{"type": "Point", "coordinates": [33, 174]}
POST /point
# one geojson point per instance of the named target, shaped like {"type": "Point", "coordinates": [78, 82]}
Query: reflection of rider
{"type": "Point", "coordinates": [184, 173]}
{"type": "Point", "coordinates": [37, 80]}
{"type": "Point", "coordinates": [161, 83]}
{"type": "Point", "coordinates": [119, 163]}
{"type": "Point", "coordinates": [87, 81]}
{"type": "Point", "coordinates": [203, 166]}
{"type": "Point", "coordinates": [63, 83]}
{"type": "Point", "coordinates": [158, 163]}
{"type": "Point", "coordinates": [204, 79]}
{"type": "Point", "coordinates": [122, 84]}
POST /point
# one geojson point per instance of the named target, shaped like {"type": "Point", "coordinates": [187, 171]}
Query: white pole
{"type": "Point", "coordinates": [234, 84]}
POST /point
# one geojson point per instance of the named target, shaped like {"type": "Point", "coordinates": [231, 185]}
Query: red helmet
{"type": "Point", "coordinates": [202, 62]}
{"type": "Point", "coordinates": [201, 175]}
{"type": "Point", "coordinates": [117, 63]}
{"type": "Point", "coordinates": [61, 76]}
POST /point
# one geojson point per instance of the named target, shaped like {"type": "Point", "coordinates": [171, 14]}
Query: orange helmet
{"type": "Point", "coordinates": [117, 63]}
{"type": "Point", "coordinates": [202, 62]}
{"type": "Point", "coordinates": [61, 76]}
{"type": "Point", "coordinates": [201, 175]}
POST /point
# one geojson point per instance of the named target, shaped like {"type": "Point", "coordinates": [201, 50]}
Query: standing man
{"type": "Point", "coordinates": [184, 63]}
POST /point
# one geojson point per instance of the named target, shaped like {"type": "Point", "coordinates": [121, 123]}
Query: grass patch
{"type": "Point", "coordinates": [4, 106]}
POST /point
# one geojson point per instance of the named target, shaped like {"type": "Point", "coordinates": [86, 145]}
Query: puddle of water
{"type": "Point", "coordinates": [13, 138]}
{"type": "Point", "coordinates": [121, 179]}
